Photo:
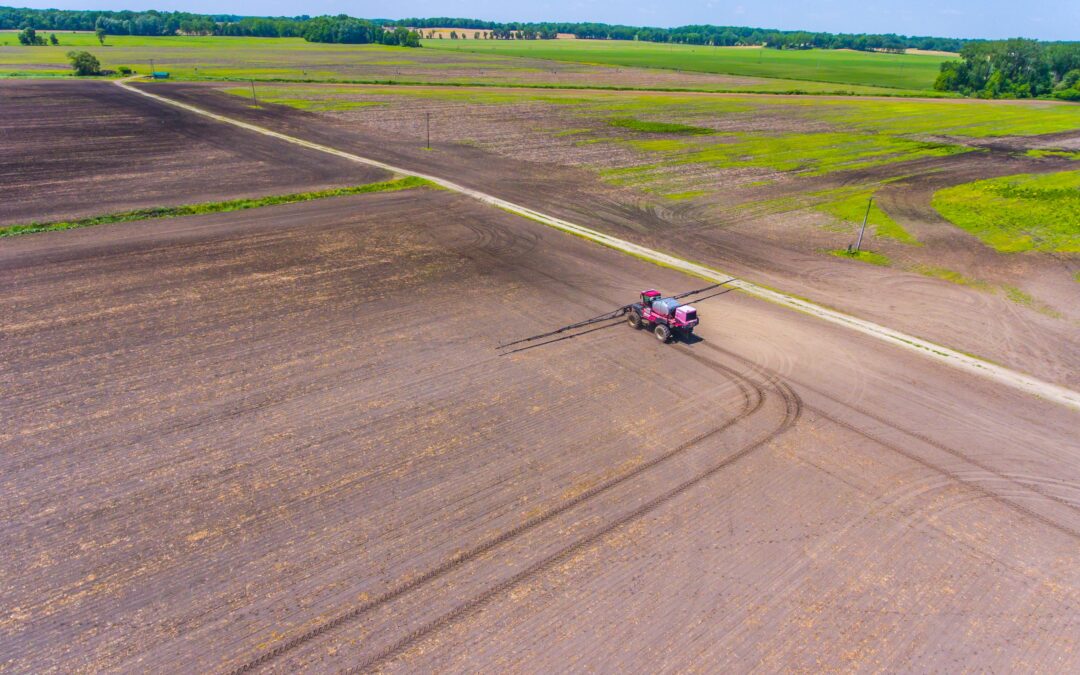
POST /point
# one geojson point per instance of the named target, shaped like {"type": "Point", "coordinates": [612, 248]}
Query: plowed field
{"type": "Point", "coordinates": [285, 440]}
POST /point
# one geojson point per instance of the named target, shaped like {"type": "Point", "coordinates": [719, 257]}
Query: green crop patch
{"type": "Point", "coordinates": [650, 127]}
{"type": "Point", "coordinates": [1025, 212]}
{"type": "Point", "coordinates": [1063, 154]}
{"type": "Point", "coordinates": [213, 207]}
{"type": "Point", "coordinates": [852, 209]}
{"type": "Point", "coordinates": [818, 153]}
{"type": "Point", "coordinates": [869, 257]}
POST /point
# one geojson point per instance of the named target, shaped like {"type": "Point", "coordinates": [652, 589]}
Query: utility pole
{"type": "Point", "coordinates": [427, 123]}
{"type": "Point", "coordinates": [253, 98]}
{"type": "Point", "coordinates": [858, 244]}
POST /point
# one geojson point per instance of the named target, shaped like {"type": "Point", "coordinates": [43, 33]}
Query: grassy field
{"type": "Point", "coordinates": [672, 135]}
{"type": "Point", "coordinates": [1026, 212]}
{"type": "Point", "coordinates": [196, 57]}
{"type": "Point", "coordinates": [900, 71]}
{"type": "Point", "coordinates": [295, 60]}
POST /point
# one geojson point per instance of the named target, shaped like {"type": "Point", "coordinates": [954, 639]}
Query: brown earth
{"type": "Point", "coordinates": [83, 149]}
{"type": "Point", "coordinates": [775, 249]}
{"type": "Point", "coordinates": [284, 439]}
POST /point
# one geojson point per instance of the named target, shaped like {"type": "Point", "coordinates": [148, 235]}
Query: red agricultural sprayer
{"type": "Point", "coordinates": [666, 318]}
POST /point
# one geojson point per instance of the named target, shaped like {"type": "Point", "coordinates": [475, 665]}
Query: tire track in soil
{"type": "Point", "coordinates": [793, 408]}
{"type": "Point", "coordinates": [952, 475]}
{"type": "Point", "coordinates": [754, 397]}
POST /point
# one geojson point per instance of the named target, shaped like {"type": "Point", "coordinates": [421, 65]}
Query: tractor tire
{"type": "Point", "coordinates": [662, 332]}
{"type": "Point", "coordinates": [634, 319]}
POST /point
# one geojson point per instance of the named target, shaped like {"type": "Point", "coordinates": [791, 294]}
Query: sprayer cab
{"type": "Point", "coordinates": [665, 317]}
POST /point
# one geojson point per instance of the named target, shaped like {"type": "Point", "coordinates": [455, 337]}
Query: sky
{"type": "Point", "coordinates": [1040, 19]}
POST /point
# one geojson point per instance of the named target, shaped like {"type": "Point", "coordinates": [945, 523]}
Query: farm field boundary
{"type": "Point", "coordinates": [210, 207]}
{"type": "Point", "coordinates": [953, 358]}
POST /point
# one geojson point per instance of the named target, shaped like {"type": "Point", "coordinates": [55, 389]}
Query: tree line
{"type": "Point", "coordinates": [153, 22]}
{"type": "Point", "coordinates": [341, 28]}
{"type": "Point", "coordinates": [1014, 68]}
{"type": "Point", "coordinates": [725, 36]}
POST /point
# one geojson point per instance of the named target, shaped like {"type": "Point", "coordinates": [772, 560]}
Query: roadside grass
{"type": "Point", "coordinates": [214, 207]}
{"type": "Point", "coordinates": [1024, 212]}
{"type": "Point", "coordinates": [871, 257]}
{"type": "Point", "coordinates": [651, 127]}
{"type": "Point", "coordinates": [901, 71]}
{"type": "Point", "coordinates": [851, 210]}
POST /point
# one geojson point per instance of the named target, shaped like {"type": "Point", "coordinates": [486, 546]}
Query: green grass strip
{"type": "Point", "coordinates": [659, 127]}
{"type": "Point", "coordinates": [1064, 154]}
{"type": "Point", "coordinates": [862, 256]}
{"type": "Point", "coordinates": [213, 207]}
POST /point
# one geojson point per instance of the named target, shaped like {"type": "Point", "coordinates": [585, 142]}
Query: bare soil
{"type": "Point", "coordinates": [75, 149]}
{"type": "Point", "coordinates": [285, 440]}
{"type": "Point", "coordinates": [774, 248]}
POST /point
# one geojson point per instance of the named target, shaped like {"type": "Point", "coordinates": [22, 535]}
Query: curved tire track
{"type": "Point", "coordinates": [754, 397]}
{"type": "Point", "coordinates": [793, 408]}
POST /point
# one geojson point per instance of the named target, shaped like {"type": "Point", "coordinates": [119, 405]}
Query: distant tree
{"type": "Point", "coordinates": [52, 39]}
{"type": "Point", "coordinates": [341, 29]}
{"type": "Point", "coordinates": [30, 38]}
{"type": "Point", "coordinates": [453, 35]}
{"type": "Point", "coordinates": [1068, 88]}
{"type": "Point", "coordinates": [84, 63]}
{"type": "Point", "coordinates": [476, 35]}
{"type": "Point", "coordinates": [101, 33]}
